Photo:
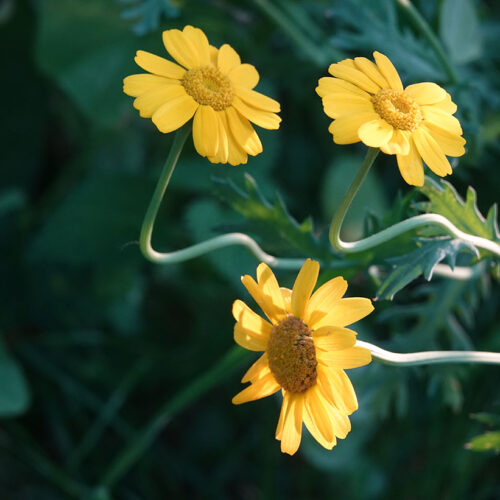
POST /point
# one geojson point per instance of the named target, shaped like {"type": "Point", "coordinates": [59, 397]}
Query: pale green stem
{"type": "Point", "coordinates": [424, 28]}
{"type": "Point", "coordinates": [429, 357]}
{"type": "Point", "coordinates": [424, 220]}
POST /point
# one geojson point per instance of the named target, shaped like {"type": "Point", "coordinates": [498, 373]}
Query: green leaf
{"type": "Point", "coordinates": [423, 260]}
{"type": "Point", "coordinates": [444, 200]}
{"type": "Point", "coordinates": [147, 13]}
{"type": "Point", "coordinates": [485, 442]}
{"type": "Point", "coordinates": [460, 30]}
{"type": "Point", "coordinates": [14, 393]}
{"type": "Point", "coordinates": [486, 418]}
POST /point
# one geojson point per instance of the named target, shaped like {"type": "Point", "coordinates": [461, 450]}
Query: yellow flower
{"type": "Point", "coordinates": [368, 104]}
{"type": "Point", "coordinates": [306, 349]}
{"type": "Point", "coordinates": [210, 84]}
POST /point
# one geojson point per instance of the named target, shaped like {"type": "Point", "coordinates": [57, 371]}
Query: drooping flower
{"type": "Point", "coordinates": [368, 104]}
{"type": "Point", "coordinates": [306, 350]}
{"type": "Point", "coordinates": [210, 84]}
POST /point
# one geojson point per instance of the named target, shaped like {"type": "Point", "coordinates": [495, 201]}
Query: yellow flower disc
{"type": "Point", "coordinates": [398, 109]}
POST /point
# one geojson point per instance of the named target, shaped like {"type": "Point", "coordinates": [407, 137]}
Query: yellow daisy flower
{"type": "Point", "coordinates": [210, 84]}
{"type": "Point", "coordinates": [368, 104]}
{"type": "Point", "coordinates": [306, 350]}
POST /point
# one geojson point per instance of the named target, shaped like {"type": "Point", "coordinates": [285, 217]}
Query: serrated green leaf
{"type": "Point", "coordinates": [444, 200]}
{"type": "Point", "coordinates": [423, 260]}
{"type": "Point", "coordinates": [489, 441]}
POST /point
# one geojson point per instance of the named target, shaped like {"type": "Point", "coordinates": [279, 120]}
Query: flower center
{"type": "Point", "coordinates": [398, 109]}
{"type": "Point", "coordinates": [208, 86]}
{"type": "Point", "coordinates": [292, 356]}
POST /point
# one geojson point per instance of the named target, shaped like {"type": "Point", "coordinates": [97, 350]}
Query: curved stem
{"type": "Point", "coordinates": [424, 28]}
{"type": "Point", "coordinates": [424, 220]}
{"type": "Point", "coordinates": [429, 357]}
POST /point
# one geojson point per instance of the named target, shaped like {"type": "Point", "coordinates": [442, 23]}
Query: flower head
{"type": "Point", "coordinates": [306, 349]}
{"type": "Point", "coordinates": [368, 104]}
{"type": "Point", "coordinates": [210, 84]}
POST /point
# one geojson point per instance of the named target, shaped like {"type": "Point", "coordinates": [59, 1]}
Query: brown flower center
{"type": "Point", "coordinates": [398, 109]}
{"type": "Point", "coordinates": [292, 356]}
{"type": "Point", "coordinates": [209, 87]}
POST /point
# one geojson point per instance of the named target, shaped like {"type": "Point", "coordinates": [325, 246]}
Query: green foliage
{"type": "Point", "coordinates": [147, 13]}
{"type": "Point", "coordinates": [489, 441]}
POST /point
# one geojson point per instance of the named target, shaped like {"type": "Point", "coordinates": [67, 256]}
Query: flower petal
{"type": "Point", "coordinates": [153, 99]}
{"type": "Point", "coordinates": [135, 85]}
{"type": "Point", "coordinates": [346, 311]}
{"type": "Point", "coordinates": [222, 154]}
{"type": "Point", "coordinates": [323, 299]}
{"type": "Point", "coordinates": [451, 144]}
{"type": "Point", "coordinates": [287, 297]}
{"type": "Point", "coordinates": [174, 113]}
{"type": "Point", "coordinates": [446, 104]}
{"type": "Point", "coordinates": [317, 418]}
{"type": "Point", "coordinates": [388, 71]}
{"type": "Point", "coordinates": [244, 75]}
{"type": "Point", "coordinates": [250, 320]}
{"type": "Point", "coordinates": [257, 370]}
{"type": "Point", "coordinates": [271, 290]}
{"type": "Point", "coordinates": [243, 132]}
{"type": "Point", "coordinates": [206, 131]}
{"type": "Point", "coordinates": [327, 85]}
{"type": "Point", "coordinates": [292, 425]}
{"type": "Point", "coordinates": [281, 419]}
{"type": "Point", "coordinates": [354, 76]}
{"type": "Point", "coordinates": [431, 153]}
{"type": "Point", "coordinates": [371, 70]}
{"type": "Point", "coordinates": [334, 338]}
{"type": "Point", "coordinates": [265, 302]}
{"type": "Point", "coordinates": [259, 389]}
{"type": "Point", "coordinates": [337, 388]}
{"type": "Point", "coordinates": [158, 65]}
{"type": "Point", "coordinates": [248, 339]}
{"type": "Point", "coordinates": [345, 129]}
{"type": "Point", "coordinates": [441, 119]}
{"type": "Point", "coordinates": [180, 47]}
{"type": "Point", "coordinates": [228, 59]}
{"type": "Point", "coordinates": [411, 167]}
{"type": "Point", "coordinates": [257, 100]}
{"type": "Point", "coordinates": [303, 287]}
{"type": "Point", "coordinates": [340, 422]}
{"type": "Point", "coordinates": [353, 357]}
{"type": "Point", "coordinates": [200, 42]}
{"type": "Point", "coordinates": [376, 133]}
{"type": "Point", "coordinates": [426, 93]}
{"type": "Point", "coordinates": [236, 154]}
{"type": "Point", "coordinates": [398, 144]}
{"type": "Point", "coordinates": [336, 104]}
{"type": "Point", "coordinates": [262, 118]}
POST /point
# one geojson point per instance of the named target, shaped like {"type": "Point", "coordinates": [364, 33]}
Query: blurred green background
{"type": "Point", "coordinates": [95, 339]}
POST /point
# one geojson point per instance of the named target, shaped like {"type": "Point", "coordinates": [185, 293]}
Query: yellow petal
{"type": "Point", "coordinates": [159, 66]}
{"type": "Point", "coordinates": [135, 85]}
{"type": "Point", "coordinates": [446, 104]}
{"type": "Point", "coordinates": [399, 143]}
{"type": "Point", "coordinates": [317, 418]}
{"type": "Point", "coordinates": [243, 132]}
{"type": "Point", "coordinates": [236, 154]}
{"type": "Point", "coordinates": [292, 425]}
{"type": "Point", "coordinates": [222, 154]}
{"type": "Point", "coordinates": [271, 290]}
{"type": "Point", "coordinates": [340, 422]}
{"type": "Point", "coordinates": [244, 75]}
{"type": "Point", "coordinates": [174, 113]}
{"type": "Point", "coordinates": [303, 287]}
{"type": "Point", "coordinates": [441, 119]}
{"type": "Point", "coordinates": [346, 311]}
{"type": "Point", "coordinates": [451, 144]}
{"type": "Point", "coordinates": [327, 85]}
{"type": "Point", "coordinates": [354, 76]}
{"type": "Point", "coordinates": [426, 92]}
{"type": "Point", "coordinates": [180, 47]}
{"type": "Point", "coordinates": [200, 42]}
{"type": "Point", "coordinates": [345, 129]}
{"type": "Point", "coordinates": [264, 301]}
{"type": "Point", "coordinates": [388, 71]}
{"type": "Point", "coordinates": [257, 100]}
{"type": "Point", "coordinates": [334, 338]}
{"type": "Point", "coordinates": [323, 299]}
{"type": "Point", "coordinates": [336, 104]}
{"type": "Point", "coordinates": [337, 388]}
{"type": "Point", "coordinates": [376, 133]}
{"type": "Point", "coordinates": [248, 339]}
{"type": "Point", "coordinates": [287, 297]}
{"type": "Point", "coordinates": [371, 70]}
{"type": "Point", "coordinates": [262, 118]}
{"type": "Point", "coordinates": [261, 388]}
{"type": "Point", "coordinates": [257, 370]}
{"type": "Point", "coordinates": [153, 99]}
{"type": "Point", "coordinates": [228, 59]}
{"type": "Point", "coordinates": [251, 321]}
{"type": "Point", "coordinates": [281, 419]}
{"type": "Point", "coordinates": [431, 153]}
{"type": "Point", "coordinates": [214, 54]}
{"type": "Point", "coordinates": [206, 131]}
{"type": "Point", "coordinates": [353, 357]}
{"type": "Point", "coordinates": [411, 167]}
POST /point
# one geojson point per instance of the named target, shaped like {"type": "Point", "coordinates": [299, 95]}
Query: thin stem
{"type": "Point", "coordinates": [424, 220]}
{"type": "Point", "coordinates": [429, 357]}
{"type": "Point", "coordinates": [139, 444]}
{"type": "Point", "coordinates": [424, 28]}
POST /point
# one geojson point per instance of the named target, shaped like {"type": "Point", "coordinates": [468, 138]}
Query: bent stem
{"type": "Point", "coordinates": [424, 220]}
{"type": "Point", "coordinates": [429, 357]}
